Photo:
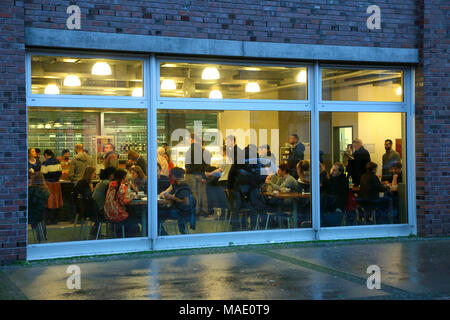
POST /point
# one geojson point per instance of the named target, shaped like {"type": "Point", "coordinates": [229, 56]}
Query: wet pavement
{"type": "Point", "coordinates": [410, 269]}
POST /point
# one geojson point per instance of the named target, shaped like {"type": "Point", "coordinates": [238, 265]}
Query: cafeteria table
{"type": "Point", "coordinates": [290, 195]}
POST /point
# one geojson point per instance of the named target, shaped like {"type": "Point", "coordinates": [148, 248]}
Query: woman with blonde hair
{"type": "Point", "coordinates": [162, 160]}
{"type": "Point", "coordinates": [139, 179]}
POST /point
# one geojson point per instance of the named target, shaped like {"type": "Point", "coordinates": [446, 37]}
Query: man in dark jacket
{"type": "Point", "coordinates": [357, 165]}
{"type": "Point", "coordinates": [198, 161]}
{"type": "Point", "coordinates": [370, 184]}
{"type": "Point", "coordinates": [296, 153]}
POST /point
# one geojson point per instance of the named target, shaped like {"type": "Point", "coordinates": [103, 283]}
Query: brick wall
{"type": "Point", "coordinates": [13, 155]}
{"type": "Point", "coordinates": [340, 22]}
{"type": "Point", "coordinates": [433, 121]}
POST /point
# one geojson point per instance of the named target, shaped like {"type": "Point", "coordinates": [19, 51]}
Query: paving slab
{"type": "Point", "coordinates": [419, 267]}
{"type": "Point", "coordinates": [235, 275]}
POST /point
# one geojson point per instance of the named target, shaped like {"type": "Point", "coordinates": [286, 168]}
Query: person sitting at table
{"type": "Point", "coordinates": [182, 201]}
{"type": "Point", "coordinates": [52, 171]}
{"type": "Point", "coordinates": [38, 195]}
{"type": "Point", "coordinates": [397, 176]}
{"type": "Point", "coordinates": [116, 200]}
{"type": "Point", "coordinates": [282, 180]}
{"type": "Point", "coordinates": [268, 161]}
{"type": "Point", "coordinates": [163, 181]}
{"type": "Point", "coordinates": [138, 160]}
{"type": "Point", "coordinates": [304, 175]}
{"type": "Point", "coordinates": [83, 192]}
{"type": "Point", "coordinates": [99, 195]}
{"type": "Point", "coordinates": [338, 187]}
{"type": "Point", "coordinates": [138, 180]}
{"type": "Point", "coordinates": [370, 185]}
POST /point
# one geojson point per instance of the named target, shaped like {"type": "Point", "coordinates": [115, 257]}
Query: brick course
{"type": "Point", "coordinates": [422, 24]}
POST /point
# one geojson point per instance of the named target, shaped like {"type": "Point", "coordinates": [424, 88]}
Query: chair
{"type": "Point", "coordinates": [366, 210]}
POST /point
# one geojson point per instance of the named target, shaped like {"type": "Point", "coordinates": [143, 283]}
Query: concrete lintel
{"type": "Point", "coordinates": [74, 39]}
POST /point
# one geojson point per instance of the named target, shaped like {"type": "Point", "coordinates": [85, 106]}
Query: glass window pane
{"type": "Point", "coordinates": [221, 81]}
{"type": "Point", "coordinates": [362, 85]}
{"type": "Point", "coordinates": [363, 168]}
{"type": "Point", "coordinates": [239, 168]}
{"type": "Point", "coordinates": [54, 75]}
{"type": "Point", "coordinates": [74, 154]}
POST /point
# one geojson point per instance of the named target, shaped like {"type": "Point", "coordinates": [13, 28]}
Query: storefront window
{"type": "Point", "coordinates": [59, 75]}
{"type": "Point", "coordinates": [222, 81]}
{"type": "Point", "coordinates": [363, 168]}
{"type": "Point", "coordinates": [362, 85]}
{"type": "Point", "coordinates": [77, 158]}
{"type": "Point", "coordinates": [233, 171]}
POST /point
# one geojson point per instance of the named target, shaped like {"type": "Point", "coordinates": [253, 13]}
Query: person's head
{"type": "Point", "coordinates": [65, 154]}
{"type": "Point", "coordinates": [303, 165]}
{"type": "Point", "coordinates": [338, 169]}
{"type": "Point", "coordinates": [32, 153]}
{"type": "Point", "coordinates": [137, 173]}
{"type": "Point", "coordinates": [107, 173]}
{"type": "Point", "coordinates": [293, 139]}
{"type": "Point", "coordinates": [133, 155]}
{"type": "Point", "coordinates": [397, 167]}
{"type": "Point", "coordinates": [388, 144]}
{"type": "Point", "coordinates": [283, 170]}
{"type": "Point", "coordinates": [120, 175]}
{"type": "Point", "coordinates": [38, 152]}
{"type": "Point", "coordinates": [357, 143]}
{"type": "Point", "coordinates": [88, 174]}
{"type": "Point", "coordinates": [371, 167]}
{"type": "Point", "coordinates": [177, 174]}
{"type": "Point", "coordinates": [78, 148]}
{"type": "Point", "coordinates": [108, 148]}
{"type": "Point", "coordinates": [165, 146]}
{"type": "Point", "coordinates": [48, 154]}
{"type": "Point", "coordinates": [265, 150]}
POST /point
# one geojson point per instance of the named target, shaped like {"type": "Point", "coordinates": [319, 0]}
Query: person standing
{"type": "Point", "coordinates": [79, 163]}
{"type": "Point", "coordinates": [111, 156]}
{"type": "Point", "coordinates": [161, 159]}
{"type": "Point", "coordinates": [296, 153]}
{"type": "Point", "coordinates": [34, 164]}
{"type": "Point", "coordinates": [52, 171]}
{"type": "Point", "coordinates": [390, 158]}
{"type": "Point", "coordinates": [64, 160]}
{"type": "Point", "coordinates": [38, 195]}
{"type": "Point", "coordinates": [357, 165]}
{"type": "Point", "coordinates": [197, 162]}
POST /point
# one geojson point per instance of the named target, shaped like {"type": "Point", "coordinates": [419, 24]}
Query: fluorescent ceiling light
{"type": "Point", "coordinates": [301, 76]}
{"type": "Point", "coordinates": [101, 69]}
{"type": "Point", "coordinates": [399, 91]}
{"type": "Point", "coordinates": [70, 60]}
{"type": "Point", "coordinates": [51, 89]}
{"type": "Point", "coordinates": [210, 74]}
{"type": "Point", "coordinates": [137, 92]}
{"type": "Point", "coordinates": [252, 87]}
{"type": "Point", "coordinates": [168, 84]}
{"type": "Point", "coordinates": [48, 126]}
{"type": "Point", "coordinates": [72, 81]}
{"type": "Point", "coordinates": [215, 94]}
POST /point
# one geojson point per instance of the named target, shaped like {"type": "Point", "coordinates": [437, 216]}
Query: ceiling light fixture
{"type": "Point", "coordinates": [51, 89]}
{"type": "Point", "coordinates": [72, 81]}
{"type": "Point", "coordinates": [137, 92]}
{"type": "Point", "coordinates": [301, 77]}
{"type": "Point", "coordinates": [210, 74]}
{"type": "Point", "coordinates": [168, 84]}
{"type": "Point", "coordinates": [252, 87]}
{"type": "Point", "coordinates": [101, 69]}
{"type": "Point", "coordinates": [399, 91]}
{"type": "Point", "coordinates": [215, 94]}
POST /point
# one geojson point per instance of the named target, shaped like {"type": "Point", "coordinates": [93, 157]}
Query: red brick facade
{"type": "Point", "coordinates": [422, 24]}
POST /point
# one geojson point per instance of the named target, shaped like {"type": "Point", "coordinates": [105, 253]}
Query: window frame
{"type": "Point", "coordinates": [36, 100]}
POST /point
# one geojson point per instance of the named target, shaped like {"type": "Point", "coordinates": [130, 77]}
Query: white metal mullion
{"type": "Point", "coordinates": [315, 143]}
{"type": "Point", "coordinates": [411, 153]}
{"type": "Point", "coordinates": [152, 146]}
